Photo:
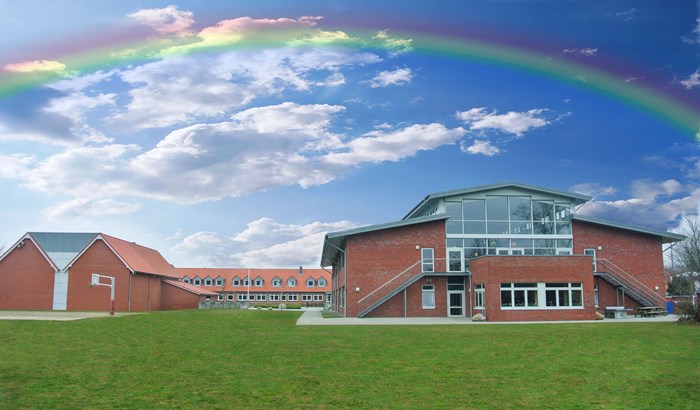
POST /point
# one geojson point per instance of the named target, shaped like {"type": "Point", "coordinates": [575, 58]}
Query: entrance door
{"type": "Point", "coordinates": [455, 260]}
{"type": "Point", "coordinates": [455, 303]}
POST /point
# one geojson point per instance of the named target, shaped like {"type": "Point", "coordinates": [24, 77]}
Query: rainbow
{"type": "Point", "coordinates": [670, 109]}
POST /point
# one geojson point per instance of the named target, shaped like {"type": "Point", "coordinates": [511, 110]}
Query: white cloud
{"type": "Point", "coordinates": [695, 36]}
{"type": "Point", "coordinates": [34, 66]}
{"type": "Point", "coordinates": [394, 44]}
{"type": "Point", "coordinates": [644, 207]}
{"type": "Point", "coordinates": [516, 123]}
{"type": "Point", "coordinates": [263, 243]}
{"type": "Point", "coordinates": [692, 81]}
{"type": "Point", "coordinates": [167, 20]}
{"type": "Point", "coordinates": [14, 166]}
{"type": "Point", "coordinates": [586, 51]}
{"type": "Point", "coordinates": [481, 147]}
{"type": "Point", "coordinates": [85, 207]}
{"type": "Point", "coordinates": [400, 76]}
{"type": "Point", "coordinates": [627, 15]}
{"type": "Point", "coordinates": [593, 189]}
{"type": "Point", "coordinates": [378, 146]}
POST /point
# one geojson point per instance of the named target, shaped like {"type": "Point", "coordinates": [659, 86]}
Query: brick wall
{"type": "Point", "coordinates": [375, 257]}
{"type": "Point", "coordinates": [26, 279]}
{"type": "Point", "coordinates": [638, 254]}
{"type": "Point", "coordinates": [494, 270]}
{"type": "Point", "coordinates": [174, 298]}
{"type": "Point", "coordinates": [394, 307]}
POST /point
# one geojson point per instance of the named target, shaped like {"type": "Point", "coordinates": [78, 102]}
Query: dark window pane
{"type": "Point", "coordinates": [506, 298]}
{"type": "Point", "coordinates": [473, 209]}
{"type": "Point", "coordinates": [520, 209]}
{"type": "Point", "coordinates": [521, 228]}
{"type": "Point", "coordinates": [532, 298]}
{"type": "Point", "coordinates": [474, 227]}
{"type": "Point", "coordinates": [454, 210]}
{"type": "Point", "coordinates": [454, 226]}
{"type": "Point", "coordinates": [519, 298]}
{"type": "Point", "coordinates": [564, 298]}
{"type": "Point", "coordinates": [497, 208]}
{"type": "Point", "coordinates": [563, 228]}
{"type": "Point", "coordinates": [498, 228]}
{"type": "Point", "coordinates": [551, 297]}
{"type": "Point", "coordinates": [576, 298]}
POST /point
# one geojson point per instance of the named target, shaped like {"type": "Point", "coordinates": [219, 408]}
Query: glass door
{"type": "Point", "coordinates": [455, 260]}
{"type": "Point", "coordinates": [455, 303]}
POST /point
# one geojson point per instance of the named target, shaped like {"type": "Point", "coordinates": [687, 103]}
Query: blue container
{"type": "Point", "coordinates": [670, 306]}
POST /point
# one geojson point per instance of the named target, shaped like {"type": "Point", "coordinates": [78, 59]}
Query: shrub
{"type": "Point", "coordinates": [688, 312]}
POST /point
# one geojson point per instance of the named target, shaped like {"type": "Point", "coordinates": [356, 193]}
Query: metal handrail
{"type": "Point", "coordinates": [402, 273]}
{"type": "Point", "coordinates": [632, 282]}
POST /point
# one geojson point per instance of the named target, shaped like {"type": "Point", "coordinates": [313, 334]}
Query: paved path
{"type": "Point", "coordinates": [312, 317]}
{"type": "Point", "coordinates": [49, 315]}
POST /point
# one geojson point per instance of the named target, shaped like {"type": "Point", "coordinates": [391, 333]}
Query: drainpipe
{"type": "Point", "coordinates": [149, 292]}
{"type": "Point", "coordinates": [471, 294]}
{"type": "Point", "coordinates": [129, 296]}
{"type": "Point", "coordinates": [345, 273]}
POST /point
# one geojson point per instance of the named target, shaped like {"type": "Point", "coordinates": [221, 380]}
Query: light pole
{"type": "Point", "coordinates": [96, 282]}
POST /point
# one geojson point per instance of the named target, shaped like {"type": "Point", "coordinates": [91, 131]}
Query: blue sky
{"type": "Point", "coordinates": [246, 156]}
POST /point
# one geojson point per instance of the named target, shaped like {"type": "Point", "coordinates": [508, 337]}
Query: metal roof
{"type": "Point", "coordinates": [336, 239]}
{"type": "Point", "coordinates": [578, 198]}
{"type": "Point", "coordinates": [62, 247]}
{"type": "Point", "coordinates": [666, 237]}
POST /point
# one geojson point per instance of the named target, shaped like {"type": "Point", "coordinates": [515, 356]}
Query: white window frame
{"type": "Point", "coordinates": [284, 297]}
{"type": "Point", "coordinates": [592, 253]}
{"type": "Point", "coordinates": [291, 282]}
{"type": "Point", "coordinates": [236, 281]}
{"type": "Point", "coordinates": [220, 297]}
{"type": "Point", "coordinates": [322, 282]}
{"type": "Point", "coordinates": [427, 256]}
{"type": "Point", "coordinates": [479, 293]}
{"type": "Point", "coordinates": [260, 297]}
{"type": "Point", "coordinates": [595, 295]}
{"type": "Point", "coordinates": [513, 287]}
{"type": "Point", "coordinates": [186, 279]}
{"type": "Point", "coordinates": [242, 297]}
{"type": "Point", "coordinates": [246, 282]}
{"type": "Point", "coordinates": [197, 282]}
{"type": "Point", "coordinates": [428, 290]}
{"type": "Point", "coordinates": [207, 282]}
{"type": "Point", "coordinates": [306, 297]}
{"type": "Point", "coordinates": [229, 297]}
{"type": "Point", "coordinates": [293, 297]}
{"type": "Point", "coordinates": [219, 282]}
{"type": "Point", "coordinates": [259, 282]}
{"type": "Point", "coordinates": [274, 297]}
{"type": "Point", "coordinates": [318, 298]}
{"type": "Point", "coordinates": [276, 282]}
{"type": "Point", "coordinates": [310, 282]}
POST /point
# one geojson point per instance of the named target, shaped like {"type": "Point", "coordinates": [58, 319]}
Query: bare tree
{"type": "Point", "coordinates": [687, 252]}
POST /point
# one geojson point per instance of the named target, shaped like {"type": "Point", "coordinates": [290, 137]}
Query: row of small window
{"type": "Point", "coordinates": [258, 282]}
{"type": "Point", "coordinates": [272, 297]}
{"type": "Point", "coordinates": [541, 295]}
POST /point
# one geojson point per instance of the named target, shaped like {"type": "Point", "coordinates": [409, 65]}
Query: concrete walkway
{"type": "Point", "coordinates": [312, 317]}
{"type": "Point", "coordinates": [53, 315]}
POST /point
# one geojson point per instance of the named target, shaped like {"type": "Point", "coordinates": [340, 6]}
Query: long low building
{"type": "Point", "coordinates": [308, 287]}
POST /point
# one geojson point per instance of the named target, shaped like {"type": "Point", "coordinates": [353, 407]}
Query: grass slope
{"type": "Point", "coordinates": [260, 359]}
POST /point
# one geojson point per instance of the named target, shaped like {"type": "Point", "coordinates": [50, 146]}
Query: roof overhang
{"type": "Point", "coordinates": [666, 237]}
{"type": "Point", "coordinates": [334, 242]}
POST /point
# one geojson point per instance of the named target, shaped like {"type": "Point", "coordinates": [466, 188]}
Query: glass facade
{"type": "Point", "coordinates": [508, 225]}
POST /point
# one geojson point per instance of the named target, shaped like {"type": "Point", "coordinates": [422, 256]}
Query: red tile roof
{"type": "Point", "coordinates": [267, 275]}
{"type": "Point", "coordinates": [140, 258]}
{"type": "Point", "coordinates": [190, 288]}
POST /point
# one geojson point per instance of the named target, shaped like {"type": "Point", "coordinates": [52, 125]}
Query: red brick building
{"type": "Point", "coordinates": [52, 271]}
{"type": "Point", "coordinates": [507, 251]}
{"type": "Point", "coordinates": [270, 287]}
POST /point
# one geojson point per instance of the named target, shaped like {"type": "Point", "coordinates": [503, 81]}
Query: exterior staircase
{"type": "Point", "coordinates": [395, 285]}
{"type": "Point", "coordinates": [635, 289]}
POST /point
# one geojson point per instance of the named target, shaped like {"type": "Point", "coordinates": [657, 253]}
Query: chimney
{"type": "Point", "coordinates": [301, 270]}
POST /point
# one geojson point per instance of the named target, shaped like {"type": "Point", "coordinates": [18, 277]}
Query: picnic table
{"type": "Point", "coordinates": [650, 311]}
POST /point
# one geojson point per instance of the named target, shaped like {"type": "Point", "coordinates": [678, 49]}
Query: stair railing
{"type": "Point", "coordinates": [631, 282]}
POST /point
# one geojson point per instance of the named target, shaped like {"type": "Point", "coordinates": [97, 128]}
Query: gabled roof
{"type": "Point", "coordinates": [190, 288]}
{"type": "Point", "coordinates": [63, 249]}
{"type": "Point", "coordinates": [336, 239]}
{"type": "Point", "coordinates": [666, 237]}
{"type": "Point", "coordinates": [432, 198]}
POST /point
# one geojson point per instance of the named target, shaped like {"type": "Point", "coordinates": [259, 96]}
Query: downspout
{"type": "Point", "coordinates": [345, 274]}
{"type": "Point", "coordinates": [471, 295]}
{"type": "Point", "coordinates": [149, 292]}
{"type": "Point", "coordinates": [129, 296]}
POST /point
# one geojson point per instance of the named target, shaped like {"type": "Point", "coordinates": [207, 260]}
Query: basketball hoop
{"type": "Point", "coordinates": [95, 281]}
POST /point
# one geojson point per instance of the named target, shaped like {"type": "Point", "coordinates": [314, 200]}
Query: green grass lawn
{"type": "Point", "coordinates": [260, 359]}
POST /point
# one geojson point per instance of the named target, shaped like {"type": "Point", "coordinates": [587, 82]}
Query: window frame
{"type": "Point", "coordinates": [427, 290]}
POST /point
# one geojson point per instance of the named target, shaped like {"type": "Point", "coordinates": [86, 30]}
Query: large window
{"type": "Point", "coordinates": [479, 296]}
{"type": "Point", "coordinates": [509, 225]}
{"type": "Point", "coordinates": [291, 282]}
{"type": "Point", "coordinates": [541, 295]}
{"type": "Point", "coordinates": [428, 261]}
{"type": "Point", "coordinates": [428, 297]}
{"type": "Point", "coordinates": [564, 295]}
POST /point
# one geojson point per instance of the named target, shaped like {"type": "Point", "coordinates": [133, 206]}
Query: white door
{"type": "Point", "coordinates": [591, 252]}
